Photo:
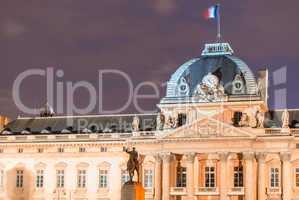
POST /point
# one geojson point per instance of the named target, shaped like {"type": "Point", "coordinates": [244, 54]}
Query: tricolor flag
{"type": "Point", "coordinates": [212, 12]}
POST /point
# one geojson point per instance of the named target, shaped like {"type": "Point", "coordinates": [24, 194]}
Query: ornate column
{"type": "Point", "coordinates": [223, 175]}
{"type": "Point", "coordinates": [286, 175]}
{"type": "Point", "coordinates": [158, 177]}
{"type": "Point", "coordinates": [166, 157]}
{"type": "Point", "coordinates": [248, 157]}
{"type": "Point", "coordinates": [190, 173]}
{"type": "Point", "coordinates": [261, 175]}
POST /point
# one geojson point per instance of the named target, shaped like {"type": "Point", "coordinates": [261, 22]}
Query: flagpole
{"type": "Point", "coordinates": [218, 23]}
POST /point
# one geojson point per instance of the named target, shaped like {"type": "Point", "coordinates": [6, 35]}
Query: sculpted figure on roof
{"type": "Point", "coordinates": [285, 119]}
{"type": "Point", "coordinates": [160, 121]}
{"type": "Point", "coordinates": [210, 88]}
{"type": "Point", "coordinates": [260, 118]}
{"type": "Point", "coordinates": [135, 123]}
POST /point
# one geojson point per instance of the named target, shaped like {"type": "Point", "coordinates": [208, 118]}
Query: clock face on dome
{"type": "Point", "coordinates": [210, 80]}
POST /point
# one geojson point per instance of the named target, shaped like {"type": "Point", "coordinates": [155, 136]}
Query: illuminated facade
{"type": "Point", "coordinates": [214, 138]}
{"type": "Point", "coordinates": [3, 121]}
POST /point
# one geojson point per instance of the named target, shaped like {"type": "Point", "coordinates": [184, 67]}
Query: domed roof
{"type": "Point", "coordinates": [229, 69]}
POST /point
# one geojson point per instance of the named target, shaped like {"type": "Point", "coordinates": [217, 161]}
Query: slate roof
{"type": "Point", "coordinates": [111, 123]}
{"type": "Point", "coordinates": [79, 124]}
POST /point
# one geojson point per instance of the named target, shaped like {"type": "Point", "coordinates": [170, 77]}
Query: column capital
{"type": "Point", "coordinates": [141, 158]}
{"type": "Point", "coordinates": [190, 157]}
{"type": "Point", "coordinates": [166, 157]}
{"type": "Point", "coordinates": [248, 155]}
{"type": "Point", "coordinates": [158, 158]}
{"type": "Point", "coordinates": [261, 156]}
{"type": "Point", "coordinates": [285, 156]}
{"type": "Point", "coordinates": [223, 156]}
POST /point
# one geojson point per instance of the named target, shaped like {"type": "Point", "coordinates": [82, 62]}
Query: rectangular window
{"type": "Point", "coordinates": [20, 150]}
{"type": "Point", "coordinates": [238, 176]}
{"type": "Point", "coordinates": [274, 177]}
{"type": "Point", "coordinates": [60, 178]}
{"type": "Point", "coordinates": [20, 178]}
{"type": "Point", "coordinates": [1, 178]}
{"type": "Point", "coordinates": [103, 149]}
{"type": "Point", "coordinates": [210, 177]}
{"type": "Point", "coordinates": [40, 178]}
{"type": "Point", "coordinates": [148, 178]}
{"type": "Point", "coordinates": [103, 178]}
{"type": "Point", "coordinates": [81, 179]}
{"type": "Point", "coordinates": [297, 146]}
{"type": "Point", "coordinates": [181, 177]}
{"type": "Point", "coordinates": [40, 150]}
{"type": "Point", "coordinates": [60, 150]}
{"type": "Point", "coordinates": [82, 150]}
{"type": "Point", "coordinates": [124, 176]}
{"type": "Point", "coordinates": [297, 177]}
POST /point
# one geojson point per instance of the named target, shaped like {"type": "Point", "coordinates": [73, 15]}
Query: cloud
{"type": "Point", "coordinates": [7, 106]}
{"type": "Point", "coordinates": [11, 28]}
{"type": "Point", "coordinates": [165, 7]}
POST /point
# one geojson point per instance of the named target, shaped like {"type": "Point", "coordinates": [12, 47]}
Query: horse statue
{"type": "Point", "coordinates": [133, 164]}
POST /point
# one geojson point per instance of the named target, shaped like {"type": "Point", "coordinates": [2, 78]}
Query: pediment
{"type": "Point", "coordinates": [209, 128]}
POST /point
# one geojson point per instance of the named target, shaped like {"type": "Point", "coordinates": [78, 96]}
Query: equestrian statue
{"type": "Point", "coordinates": [133, 163]}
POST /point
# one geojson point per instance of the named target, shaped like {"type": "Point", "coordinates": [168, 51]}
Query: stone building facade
{"type": "Point", "coordinates": [214, 138]}
{"type": "Point", "coordinates": [3, 121]}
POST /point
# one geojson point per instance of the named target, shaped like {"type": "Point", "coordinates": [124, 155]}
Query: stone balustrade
{"type": "Point", "coordinates": [236, 191]}
{"type": "Point", "coordinates": [73, 137]}
{"type": "Point", "coordinates": [178, 190]}
{"type": "Point", "coordinates": [204, 191]}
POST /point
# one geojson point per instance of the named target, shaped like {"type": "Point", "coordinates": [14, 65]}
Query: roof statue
{"type": "Point", "coordinates": [135, 123]}
{"type": "Point", "coordinates": [47, 111]}
{"type": "Point", "coordinates": [285, 118]}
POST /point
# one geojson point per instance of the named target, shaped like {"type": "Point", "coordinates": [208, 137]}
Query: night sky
{"type": "Point", "coordinates": [147, 39]}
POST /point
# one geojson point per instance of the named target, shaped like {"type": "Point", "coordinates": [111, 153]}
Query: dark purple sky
{"type": "Point", "coordinates": [147, 39]}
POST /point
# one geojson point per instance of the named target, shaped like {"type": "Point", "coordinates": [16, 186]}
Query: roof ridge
{"type": "Point", "coordinates": [95, 115]}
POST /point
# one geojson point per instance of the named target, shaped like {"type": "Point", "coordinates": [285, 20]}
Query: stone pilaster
{"type": "Point", "coordinates": [141, 159]}
{"type": "Point", "coordinates": [190, 174]}
{"type": "Point", "coordinates": [223, 175]}
{"type": "Point", "coordinates": [158, 177]}
{"type": "Point", "coordinates": [166, 157]}
{"type": "Point", "coordinates": [286, 175]}
{"type": "Point", "coordinates": [261, 157]}
{"type": "Point", "coordinates": [249, 175]}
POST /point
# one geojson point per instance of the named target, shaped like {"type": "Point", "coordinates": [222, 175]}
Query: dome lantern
{"type": "Point", "coordinates": [217, 49]}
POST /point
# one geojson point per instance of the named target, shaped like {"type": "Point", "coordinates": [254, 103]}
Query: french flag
{"type": "Point", "coordinates": [212, 12]}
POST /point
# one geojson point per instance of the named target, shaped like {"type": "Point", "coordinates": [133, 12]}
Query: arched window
{"type": "Point", "coordinates": [104, 169]}
{"type": "Point", "coordinates": [60, 174]}
{"type": "Point", "coordinates": [19, 178]}
{"type": "Point", "coordinates": [40, 175]}
{"type": "Point", "coordinates": [82, 175]}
